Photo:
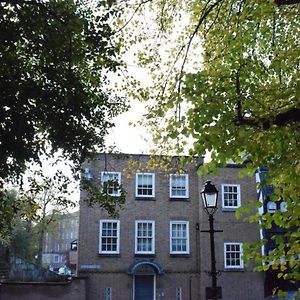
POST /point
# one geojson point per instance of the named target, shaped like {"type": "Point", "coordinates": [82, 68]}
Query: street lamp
{"type": "Point", "coordinates": [209, 196]}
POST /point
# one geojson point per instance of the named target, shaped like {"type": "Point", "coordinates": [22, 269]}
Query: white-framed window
{"type": "Point", "coordinates": [144, 237]}
{"type": "Point", "coordinates": [179, 237]}
{"type": "Point", "coordinates": [111, 181]}
{"type": "Point", "coordinates": [283, 206]}
{"type": "Point", "coordinates": [271, 207]}
{"type": "Point", "coordinates": [109, 242]}
{"type": "Point", "coordinates": [56, 258]}
{"type": "Point", "coordinates": [145, 185]}
{"type": "Point", "coordinates": [179, 186]}
{"type": "Point", "coordinates": [233, 255]}
{"type": "Point", "coordinates": [231, 196]}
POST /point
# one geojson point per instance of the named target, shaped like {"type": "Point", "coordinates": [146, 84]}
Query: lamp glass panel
{"type": "Point", "coordinates": [210, 200]}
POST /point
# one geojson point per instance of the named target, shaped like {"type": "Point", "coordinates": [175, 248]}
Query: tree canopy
{"type": "Point", "coordinates": [225, 79]}
{"type": "Point", "coordinates": [54, 57]}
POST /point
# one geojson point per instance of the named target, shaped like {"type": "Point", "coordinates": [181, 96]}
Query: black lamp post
{"type": "Point", "coordinates": [209, 196]}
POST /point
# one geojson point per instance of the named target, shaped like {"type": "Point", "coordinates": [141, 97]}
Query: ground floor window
{"type": "Point", "coordinates": [108, 293]}
{"type": "Point", "coordinates": [178, 293]}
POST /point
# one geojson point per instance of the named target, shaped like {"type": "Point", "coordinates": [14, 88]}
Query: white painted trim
{"type": "Point", "coordinates": [238, 195]}
{"type": "Point", "coordinates": [153, 185]}
{"type": "Point", "coordinates": [187, 234]}
{"type": "Point", "coordinates": [136, 237]}
{"type": "Point", "coordinates": [241, 265]}
{"type": "Point", "coordinates": [119, 181]}
{"type": "Point", "coordinates": [186, 185]}
{"type": "Point", "coordinates": [118, 236]}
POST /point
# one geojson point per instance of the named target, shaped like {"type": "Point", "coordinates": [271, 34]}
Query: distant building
{"type": "Point", "coordinates": [57, 244]}
{"type": "Point", "coordinates": [4, 261]}
{"type": "Point", "coordinates": [155, 249]}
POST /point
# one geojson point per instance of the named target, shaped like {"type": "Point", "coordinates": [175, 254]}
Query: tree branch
{"type": "Point", "coordinates": [286, 2]}
{"type": "Point", "coordinates": [281, 119]}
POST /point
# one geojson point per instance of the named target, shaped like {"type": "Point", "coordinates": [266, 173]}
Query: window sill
{"type": "Point", "coordinates": [109, 255]}
{"type": "Point", "coordinates": [144, 255]}
{"type": "Point", "coordinates": [179, 199]}
{"type": "Point", "coordinates": [183, 255]}
{"type": "Point", "coordinates": [228, 209]}
{"type": "Point", "coordinates": [145, 198]}
{"type": "Point", "coordinates": [228, 269]}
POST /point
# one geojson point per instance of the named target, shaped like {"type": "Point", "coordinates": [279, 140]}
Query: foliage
{"type": "Point", "coordinates": [23, 240]}
{"type": "Point", "coordinates": [55, 57]}
{"type": "Point", "coordinates": [225, 79]}
{"type": "Point", "coordinates": [12, 208]}
{"type": "Point", "coordinates": [50, 198]}
{"type": "Point", "coordinates": [101, 196]}
{"type": "Point", "coordinates": [52, 195]}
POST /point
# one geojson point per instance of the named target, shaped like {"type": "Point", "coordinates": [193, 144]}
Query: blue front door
{"type": "Point", "coordinates": [143, 287]}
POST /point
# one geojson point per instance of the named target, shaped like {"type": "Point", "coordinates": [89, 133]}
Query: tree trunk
{"type": "Point", "coordinates": [40, 245]}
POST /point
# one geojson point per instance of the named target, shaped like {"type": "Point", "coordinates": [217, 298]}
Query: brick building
{"type": "Point", "coordinates": [155, 248]}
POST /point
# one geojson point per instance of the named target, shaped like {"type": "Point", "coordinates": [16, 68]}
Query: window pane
{"type": "Point", "coordinates": [110, 182]}
{"type": "Point", "coordinates": [233, 253]}
{"type": "Point", "coordinates": [179, 237]}
{"type": "Point", "coordinates": [230, 196]}
{"type": "Point", "coordinates": [144, 237]}
{"type": "Point", "coordinates": [178, 185]}
{"type": "Point", "coordinates": [109, 236]}
{"type": "Point", "coordinates": [144, 184]}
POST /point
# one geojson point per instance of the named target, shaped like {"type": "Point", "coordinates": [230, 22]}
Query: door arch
{"type": "Point", "coordinates": [144, 279]}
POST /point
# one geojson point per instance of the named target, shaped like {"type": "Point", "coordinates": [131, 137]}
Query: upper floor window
{"type": "Point", "coordinates": [109, 242]}
{"type": "Point", "coordinates": [233, 255]}
{"type": "Point", "coordinates": [179, 186]}
{"type": "Point", "coordinates": [271, 207]}
{"type": "Point", "coordinates": [144, 237]}
{"type": "Point", "coordinates": [145, 185]}
{"type": "Point", "coordinates": [179, 237]}
{"type": "Point", "coordinates": [111, 182]}
{"type": "Point", "coordinates": [283, 206]}
{"type": "Point", "coordinates": [231, 196]}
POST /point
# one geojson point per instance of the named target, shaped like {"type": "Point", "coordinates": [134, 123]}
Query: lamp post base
{"type": "Point", "coordinates": [213, 293]}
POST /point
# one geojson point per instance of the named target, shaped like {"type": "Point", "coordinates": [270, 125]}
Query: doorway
{"type": "Point", "coordinates": [144, 286]}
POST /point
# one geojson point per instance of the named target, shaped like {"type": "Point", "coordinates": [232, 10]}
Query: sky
{"type": "Point", "coordinates": [128, 138]}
